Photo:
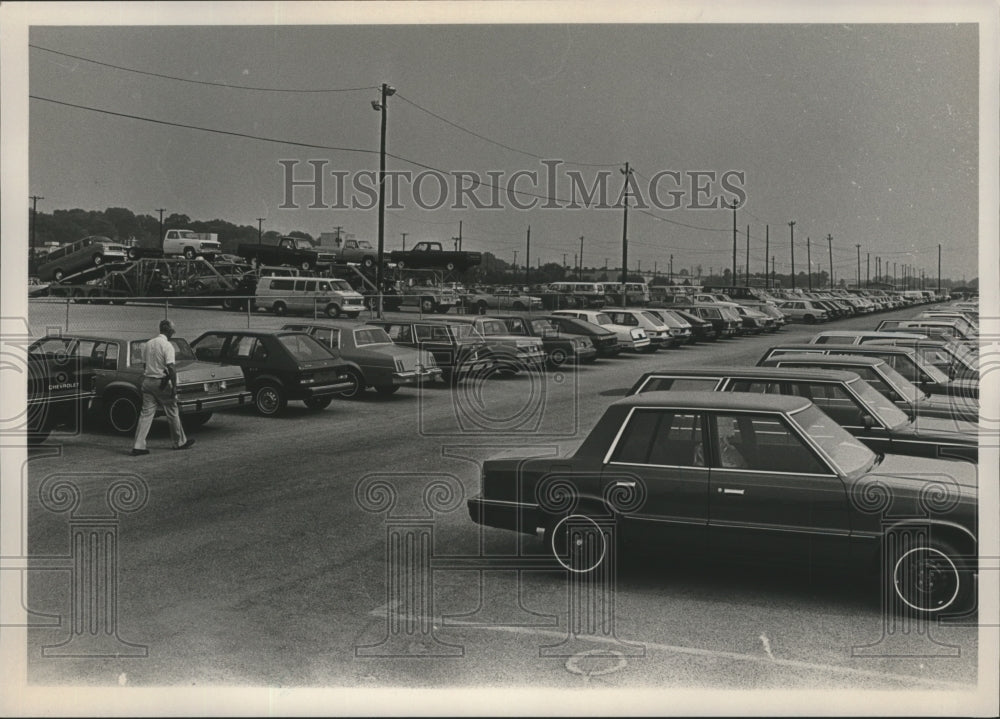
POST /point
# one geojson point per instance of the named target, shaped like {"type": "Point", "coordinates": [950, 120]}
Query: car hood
{"type": "Point", "coordinates": [912, 473]}
{"type": "Point", "coordinates": [198, 371]}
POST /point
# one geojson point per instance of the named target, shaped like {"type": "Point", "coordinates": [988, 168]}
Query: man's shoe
{"type": "Point", "coordinates": [187, 445]}
{"type": "Point", "coordinates": [139, 452]}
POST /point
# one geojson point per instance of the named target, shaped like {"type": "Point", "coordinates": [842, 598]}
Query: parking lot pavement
{"type": "Point", "coordinates": [259, 558]}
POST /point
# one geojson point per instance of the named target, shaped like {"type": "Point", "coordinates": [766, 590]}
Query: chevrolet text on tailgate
{"type": "Point", "coordinates": [747, 477]}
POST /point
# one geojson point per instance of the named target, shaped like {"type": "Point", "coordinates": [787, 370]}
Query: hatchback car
{"type": "Point", "coordinates": [751, 477]}
{"type": "Point", "coordinates": [383, 364]}
{"type": "Point", "coordinates": [630, 338]}
{"type": "Point", "coordinates": [279, 366]}
{"type": "Point", "coordinates": [605, 341]}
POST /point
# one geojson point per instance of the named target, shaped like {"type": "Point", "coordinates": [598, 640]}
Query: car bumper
{"type": "Point", "coordinates": [405, 379]}
{"type": "Point", "coordinates": [636, 344]}
{"type": "Point", "coordinates": [584, 353]}
{"type": "Point", "coordinates": [505, 515]}
{"type": "Point", "coordinates": [212, 402]}
{"type": "Point", "coordinates": [325, 389]}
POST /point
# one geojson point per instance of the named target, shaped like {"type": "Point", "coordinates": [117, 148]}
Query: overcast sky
{"type": "Point", "coordinates": [867, 132]}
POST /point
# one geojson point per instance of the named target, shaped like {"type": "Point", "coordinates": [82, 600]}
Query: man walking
{"type": "Point", "coordinates": [159, 388]}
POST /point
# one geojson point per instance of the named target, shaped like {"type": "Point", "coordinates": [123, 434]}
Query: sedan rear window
{"type": "Point", "coordinates": [371, 336]}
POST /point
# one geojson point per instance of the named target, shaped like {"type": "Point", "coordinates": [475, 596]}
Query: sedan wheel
{"type": "Point", "coordinates": [557, 357]}
{"type": "Point", "coordinates": [931, 579]}
{"type": "Point", "coordinates": [357, 386]}
{"type": "Point", "coordinates": [577, 542]}
{"type": "Point", "coordinates": [122, 414]}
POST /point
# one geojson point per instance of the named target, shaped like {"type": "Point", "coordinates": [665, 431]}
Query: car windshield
{"type": "Point", "coordinates": [909, 390]}
{"type": "Point", "coordinates": [847, 453]}
{"type": "Point", "coordinates": [602, 319]}
{"type": "Point", "coordinates": [493, 328]}
{"type": "Point", "coordinates": [935, 374]}
{"type": "Point", "coordinates": [883, 406]}
{"type": "Point", "coordinates": [968, 356]}
{"type": "Point", "coordinates": [182, 350]}
{"type": "Point", "coordinates": [341, 285]}
{"type": "Point", "coordinates": [187, 235]}
{"type": "Point", "coordinates": [304, 348]}
{"type": "Point", "coordinates": [371, 336]}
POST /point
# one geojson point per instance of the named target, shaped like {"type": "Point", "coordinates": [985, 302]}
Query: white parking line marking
{"type": "Point", "coordinates": [712, 653]}
{"type": "Point", "coordinates": [767, 645]}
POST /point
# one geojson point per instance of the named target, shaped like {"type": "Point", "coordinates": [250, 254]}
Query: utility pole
{"type": "Point", "coordinates": [810, 263]}
{"type": "Point", "coordinates": [404, 234]}
{"type": "Point", "coordinates": [772, 270]}
{"type": "Point", "coordinates": [791, 226]}
{"type": "Point", "coordinates": [260, 230]}
{"type": "Point", "coordinates": [859, 264]}
{"type": "Point", "coordinates": [34, 215]}
{"type": "Point", "coordinates": [381, 106]}
{"type": "Point", "coordinates": [627, 172]}
{"type": "Point", "coordinates": [458, 240]}
{"type": "Point", "coordinates": [939, 270]}
{"type": "Point", "coordinates": [893, 275]}
{"type": "Point", "coordinates": [671, 268]}
{"type": "Point", "coordinates": [581, 257]}
{"type": "Point", "coordinates": [527, 256]}
{"type": "Point", "coordinates": [338, 228]}
{"type": "Point", "coordinates": [564, 264]}
{"type": "Point", "coordinates": [733, 207]}
{"type": "Point", "coordinates": [829, 242]}
{"type": "Point", "coordinates": [515, 264]}
{"type": "Point", "coordinates": [746, 273]}
{"type": "Point", "coordinates": [868, 269]}
{"type": "Point", "coordinates": [161, 210]}
{"type": "Point", "coordinates": [767, 252]}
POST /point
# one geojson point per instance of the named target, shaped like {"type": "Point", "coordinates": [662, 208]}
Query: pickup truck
{"type": "Point", "coordinates": [295, 251]}
{"type": "Point", "coordinates": [360, 251]}
{"type": "Point", "coordinates": [179, 242]}
{"type": "Point", "coordinates": [430, 255]}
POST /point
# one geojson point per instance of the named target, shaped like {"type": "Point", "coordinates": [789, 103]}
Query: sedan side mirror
{"type": "Point", "coordinates": [867, 422]}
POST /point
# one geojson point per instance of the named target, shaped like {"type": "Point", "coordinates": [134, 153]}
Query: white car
{"type": "Point", "coordinates": [633, 338]}
{"type": "Point", "coordinates": [660, 333]}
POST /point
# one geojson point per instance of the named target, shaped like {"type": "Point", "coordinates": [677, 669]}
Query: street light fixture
{"type": "Point", "coordinates": [382, 107]}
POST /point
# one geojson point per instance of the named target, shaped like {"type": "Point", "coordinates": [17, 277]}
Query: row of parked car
{"type": "Point", "coordinates": [315, 362]}
{"type": "Point", "coordinates": [850, 450]}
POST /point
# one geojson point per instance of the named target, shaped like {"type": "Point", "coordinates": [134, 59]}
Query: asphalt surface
{"type": "Point", "coordinates": [259, 557]}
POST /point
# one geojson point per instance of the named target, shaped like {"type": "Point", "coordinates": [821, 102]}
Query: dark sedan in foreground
{"type": "Point", "coordinates": [747, 476]}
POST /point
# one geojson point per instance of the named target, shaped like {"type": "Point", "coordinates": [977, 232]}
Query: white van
{"type": "Point", "coordinates": [588, 294]}
{"type": "Point", "coordinates": [334, 297]}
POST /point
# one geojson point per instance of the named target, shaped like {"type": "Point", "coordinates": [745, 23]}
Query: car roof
{"type": "Point", "coordinates": [718, 401]}
{"type": "Point", "coordinates": [765, 372]}
{"type": "Point", "coordinates": [846, 348]}
{"type": "Point", "coordinates": [126, 335]}
{"type": "Point", "coordinates": [827, 359]}
{"type": "Point", "coordinates": [859, 333]}
{"type": "Point", "coordinates": [257, 331]}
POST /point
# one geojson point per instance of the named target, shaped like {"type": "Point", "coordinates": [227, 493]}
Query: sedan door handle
{"type": "Point", "coordinates": [726, 490]}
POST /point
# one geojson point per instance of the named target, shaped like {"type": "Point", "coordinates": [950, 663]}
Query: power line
{"type": "Point", "coordinates": [495, 142]}
{"type": "Point", "coordinates": [200, 82]}
{"type": "Point", "coordinates": [206, 129]}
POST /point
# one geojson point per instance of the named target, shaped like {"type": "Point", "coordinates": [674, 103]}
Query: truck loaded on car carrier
{"type": "Point", "coordinates": [117, 283]}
